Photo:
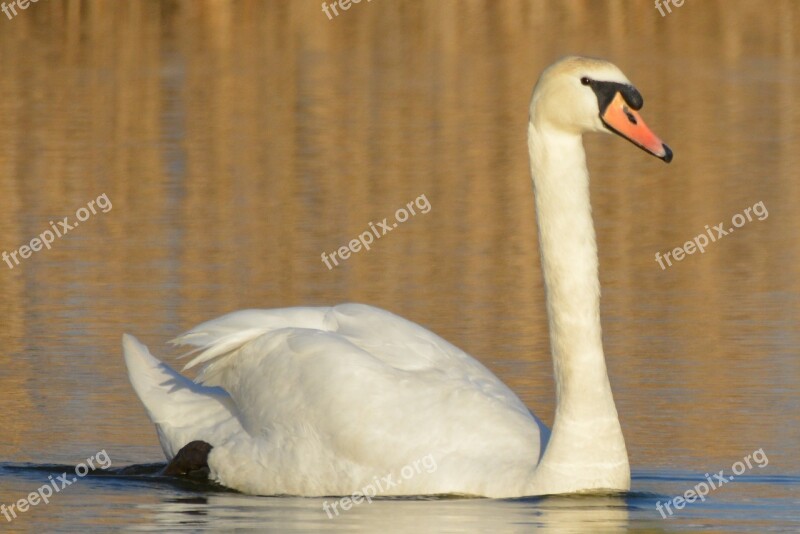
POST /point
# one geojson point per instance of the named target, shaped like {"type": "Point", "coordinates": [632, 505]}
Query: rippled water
{"type": "Point", "coordinates": [236, 142]}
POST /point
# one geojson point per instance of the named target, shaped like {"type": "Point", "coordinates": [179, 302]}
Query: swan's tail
{"type": "Point", "coordinates": [181, 410]}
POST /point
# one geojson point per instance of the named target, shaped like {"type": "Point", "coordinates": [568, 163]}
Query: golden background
{"type": "Point", "coordinates": [237, 141]}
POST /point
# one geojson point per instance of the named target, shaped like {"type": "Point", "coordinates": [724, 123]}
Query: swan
{"type": "Point", "coordinates": [354, 400]}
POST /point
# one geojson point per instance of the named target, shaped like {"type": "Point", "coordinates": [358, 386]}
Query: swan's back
{"type": "Point", "coordinates": [331, 397]}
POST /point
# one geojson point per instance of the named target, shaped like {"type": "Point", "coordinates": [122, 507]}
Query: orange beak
{"type": "Point", "coordinates": [620, 118]}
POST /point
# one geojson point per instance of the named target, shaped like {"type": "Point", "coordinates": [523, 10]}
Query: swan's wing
{"type": "Point", "coordinates": [181, 410]}
{"type": "Point", "coordinates": [389, 339]}
{"type": "Point", "coordinates": [332, 396]}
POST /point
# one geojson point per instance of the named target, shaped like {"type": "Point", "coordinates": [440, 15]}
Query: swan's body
{"type": "Point", "coordinates": [329, 401]}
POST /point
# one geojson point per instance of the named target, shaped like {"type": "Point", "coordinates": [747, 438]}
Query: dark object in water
{"type": "Point", "coordinates": [191, 461]}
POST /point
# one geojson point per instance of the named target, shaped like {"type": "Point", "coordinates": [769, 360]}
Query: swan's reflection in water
{"type": "Point", "coordinates": [286, 514]}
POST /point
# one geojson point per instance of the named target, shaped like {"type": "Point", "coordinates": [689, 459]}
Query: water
{"type": "Point", "coordinates": [237, 142]}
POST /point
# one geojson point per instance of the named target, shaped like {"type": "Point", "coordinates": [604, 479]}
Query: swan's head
{"type": "Point", "coordinates": [578, 95]}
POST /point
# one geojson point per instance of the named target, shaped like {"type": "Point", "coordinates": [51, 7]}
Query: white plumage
{"type": "Point", "coordinates": [328, 398]}
{"type": "Point", "coordinates": [325, 401]}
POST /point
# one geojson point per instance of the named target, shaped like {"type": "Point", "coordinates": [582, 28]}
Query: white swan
{"type": "Point", "coordinates": [332, 401]}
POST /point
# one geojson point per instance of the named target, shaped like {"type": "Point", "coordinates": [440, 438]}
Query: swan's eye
{"type": "Point", "coordinates": [585, 81]}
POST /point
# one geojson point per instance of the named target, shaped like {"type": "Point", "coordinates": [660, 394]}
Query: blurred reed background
{"type": "Point", "coordinates": [239, 140]}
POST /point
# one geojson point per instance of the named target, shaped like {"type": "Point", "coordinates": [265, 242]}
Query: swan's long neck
{"type": "Point", "coordinates": [586, 448]}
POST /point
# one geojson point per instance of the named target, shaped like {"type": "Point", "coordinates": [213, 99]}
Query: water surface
{"type": "Point", "coordinates": [236, 142]}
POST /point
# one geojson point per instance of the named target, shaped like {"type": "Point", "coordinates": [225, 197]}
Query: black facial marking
{"type": "Point", "coordinates": [605, 92]}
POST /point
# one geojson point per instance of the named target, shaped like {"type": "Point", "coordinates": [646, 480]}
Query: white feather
{"type": "Point", "coordinates": [330, 401]}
